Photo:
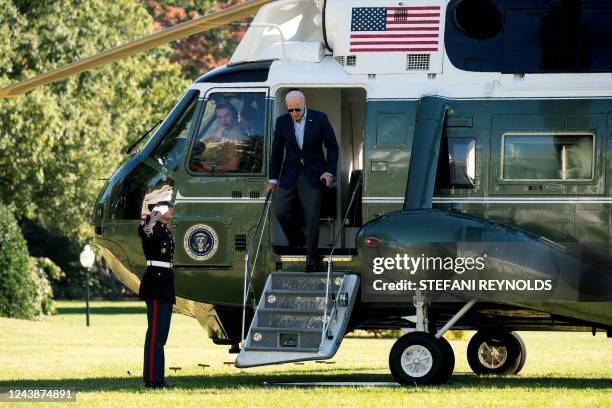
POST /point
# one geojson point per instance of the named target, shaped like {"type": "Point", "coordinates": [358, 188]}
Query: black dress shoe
{"type": "Point", "coordinates": [158, 384]}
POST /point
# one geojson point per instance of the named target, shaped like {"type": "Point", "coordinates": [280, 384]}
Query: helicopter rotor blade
{"type": "Point", "coordinates": [197, 25]}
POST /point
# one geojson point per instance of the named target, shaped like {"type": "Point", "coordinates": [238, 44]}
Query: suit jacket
{"type": "Point", "coordinates": [318, 131]}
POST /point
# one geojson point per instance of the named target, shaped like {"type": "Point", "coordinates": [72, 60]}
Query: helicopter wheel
{"type": "Point", "coordinates": [491, 352]}
{"type": "Point", "coordinates": [420, 358]}
{"type": "Point", "coordinates": [448, 360]}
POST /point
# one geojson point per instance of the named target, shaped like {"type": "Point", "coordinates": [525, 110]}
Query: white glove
{"type": "Point", "coordinates": [154, 217]}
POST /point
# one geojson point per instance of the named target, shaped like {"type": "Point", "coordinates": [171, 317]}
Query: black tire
{"type": "Point", "coordinates": [448, 362]}
{"type": "Point", "coordinates": [428, 353]}
{"type": "Point", "coordinates": [505, 348]}
{"type": "Point", "coordinates": [523, 353]}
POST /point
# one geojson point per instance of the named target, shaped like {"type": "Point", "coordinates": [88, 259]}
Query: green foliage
{"type": "Point", "coordinates": [18, 290]}
{"type": "Point", "coordinates": [60, 140]}
{"type": "Point", "coordinates": [102, 284]}
{"type": "Point", "coordinates": [198, 53]}
{"type": "Point", "coordinates": [25, 292]}
{"type": "Point", "coordinates": [41, 270]}
{"type": "Point", "coordinates": [64, 252]}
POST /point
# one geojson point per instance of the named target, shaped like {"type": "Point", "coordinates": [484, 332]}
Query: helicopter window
{"type": "Point", "coordinates": [230, 136]}
{"type": "Point", "coordinates": [168, 153]}
{"type": "Point", "coordinates": [391, 129]}
{"type": "Point", "coordinates": [478, 18]}
{"type": "Point", "coordinates": [547, 156]}
{"type": "Point", "coordinates": [537, 36]}
{"type": "Point", "coordinates": [127, 199]}
{"type": "Point", "coordinates": [457, 163]}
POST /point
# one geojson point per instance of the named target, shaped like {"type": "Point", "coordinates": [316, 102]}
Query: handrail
{"type": "Point", "coordinates": [247, 274]}
{"type": "Point", "coordinates": [330, 262]}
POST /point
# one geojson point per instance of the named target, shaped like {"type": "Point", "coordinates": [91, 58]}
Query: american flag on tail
{"type": "Point", "coordinates": [395, 29]}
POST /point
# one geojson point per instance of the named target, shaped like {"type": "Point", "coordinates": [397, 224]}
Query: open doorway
{"type": "Point", "coordinates": [345, 108]}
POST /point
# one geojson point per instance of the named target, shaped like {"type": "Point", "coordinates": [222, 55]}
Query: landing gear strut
{"type": "Point", "coordinates": [420, 357]}
{"type": "Point", "coordinates": [496, 352]}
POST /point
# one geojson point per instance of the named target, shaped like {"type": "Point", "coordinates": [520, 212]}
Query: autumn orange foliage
{"type": "Point", "coordinates": [198, 53]}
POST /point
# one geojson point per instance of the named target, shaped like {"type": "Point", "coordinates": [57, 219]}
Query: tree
{"type": "Point", "coordinates": [59, 141]}
{"type": "Point", "coordinates": [198, 53]}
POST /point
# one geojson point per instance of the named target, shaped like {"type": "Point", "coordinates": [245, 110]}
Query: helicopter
{"type": "Point", "coordinates": [468, 129]}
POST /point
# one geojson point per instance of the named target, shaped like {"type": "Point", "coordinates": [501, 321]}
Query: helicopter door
{"type": "Point", "coordinates": [222, 190]}
{"type": "Point", "coordinates": [389, 128]}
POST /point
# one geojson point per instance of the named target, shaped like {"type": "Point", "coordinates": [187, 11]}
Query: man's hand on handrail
{"type": "Point", "coordinates": [271, 187]}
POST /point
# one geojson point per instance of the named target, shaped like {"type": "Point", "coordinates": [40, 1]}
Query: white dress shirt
{"type": "Point", "coordinates": [299, 128]}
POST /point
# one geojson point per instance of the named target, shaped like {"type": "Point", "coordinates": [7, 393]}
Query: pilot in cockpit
{"type": "Point", "coordinates": [221, 149]}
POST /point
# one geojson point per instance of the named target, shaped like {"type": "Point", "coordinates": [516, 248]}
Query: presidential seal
{"type": "Point", "coordinates": [201, 242]}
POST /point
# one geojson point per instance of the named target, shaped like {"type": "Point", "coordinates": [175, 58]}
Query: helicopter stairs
{"type": "Point", "coordinates": [293, 321]}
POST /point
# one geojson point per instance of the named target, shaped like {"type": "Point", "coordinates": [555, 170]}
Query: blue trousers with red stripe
{"type": "Point", "coordinates": [158, 318]}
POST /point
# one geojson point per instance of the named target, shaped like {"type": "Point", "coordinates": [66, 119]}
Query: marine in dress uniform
{"type": "Point", "coordinates": [157, 290]}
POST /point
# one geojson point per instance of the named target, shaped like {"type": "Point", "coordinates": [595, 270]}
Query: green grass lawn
{"type": "Point", "coordinates": [103, 363]}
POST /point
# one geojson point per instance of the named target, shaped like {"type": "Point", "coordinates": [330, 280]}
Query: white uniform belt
{"type": "Point", "coordinates": [160, 263]}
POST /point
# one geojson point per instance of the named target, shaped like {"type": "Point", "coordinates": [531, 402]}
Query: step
{"type": "Point", "coordinates": [264, 309]}
{"type": "Point", "coordinates": [296, 292]}
{"type": "Point", "coordinates": [305, 274]}
{"type": "Point", "coordinates": [290, 319]}
{"type": "Point", "coordinates": [288, 339]}
{"type": "Point", "coordinates": [346, 256]}
{"type": "Point", "coordinates": [276, 349]}
{"type": "Point", "coordinates": [274, 329]}
{"type": "Point", "coordinates": [281, 334]}
{"type": "Point", "coordinates": [302, 281]}
{"type": "Point", "coordinates": [290, 300]}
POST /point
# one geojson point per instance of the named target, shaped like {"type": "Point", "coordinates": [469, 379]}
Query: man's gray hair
{"type": "Point", "coordinates": [295, 95]}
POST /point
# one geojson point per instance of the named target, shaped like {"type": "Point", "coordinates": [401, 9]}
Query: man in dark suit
{"type": "Point", "coordinates": [299, 135]}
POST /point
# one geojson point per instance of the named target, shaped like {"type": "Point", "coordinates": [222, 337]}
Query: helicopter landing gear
{"type": "Point", "coordinates": [496, 352]}
{"type": "Point", "coordinates": [420, 358]}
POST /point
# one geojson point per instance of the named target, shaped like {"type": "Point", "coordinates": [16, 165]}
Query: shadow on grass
{"type": "Point", "coordinates": [242, 380]}
{"type": "Point", "coordinates": [103, 310]}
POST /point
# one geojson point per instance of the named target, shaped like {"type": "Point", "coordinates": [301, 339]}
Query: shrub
{"type": "Point", "coordinates": [17, 288]}
{"type": "Point", "coordinates": [43, 269]}
{"type": "Point", "coordinates": [25, 291]}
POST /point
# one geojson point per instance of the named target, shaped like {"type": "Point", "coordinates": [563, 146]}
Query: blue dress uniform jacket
{"type": "Point", "coordinates": [157, 289]}
{"type": "Point", "coordinates": [157, 282]}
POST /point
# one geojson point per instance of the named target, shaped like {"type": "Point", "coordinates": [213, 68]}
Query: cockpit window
{"type": "Point", "coordinates": [230, 136]}
{"type": "Point", "coordinates": [169, 152]}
